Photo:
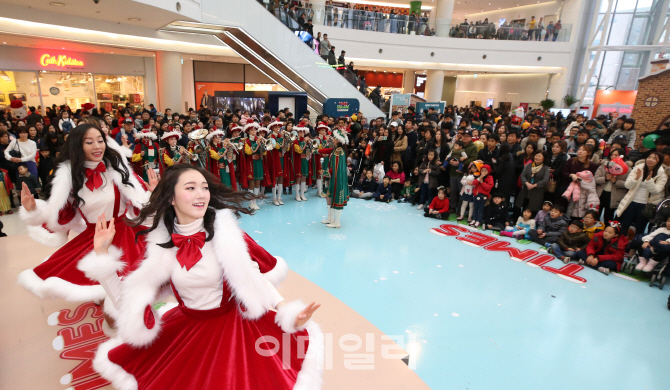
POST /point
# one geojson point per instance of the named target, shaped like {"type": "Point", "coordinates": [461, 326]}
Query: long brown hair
{"type": "Point", "coordinates": [587, 161]}
{"type": "Point", "coordinates": [160, 204]}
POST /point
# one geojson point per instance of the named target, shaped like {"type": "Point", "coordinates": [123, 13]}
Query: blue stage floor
{"type": "Point", "coordinates": [479, 319]}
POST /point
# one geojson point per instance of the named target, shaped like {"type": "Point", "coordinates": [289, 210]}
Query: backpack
{"type": "Point", "coordinates": [66, 126]}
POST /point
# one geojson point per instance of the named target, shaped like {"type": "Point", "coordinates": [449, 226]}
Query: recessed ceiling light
{"type": "Point", "coordinates": [57, 4]}
{"type": "Point", "coordinates": [134, 19]}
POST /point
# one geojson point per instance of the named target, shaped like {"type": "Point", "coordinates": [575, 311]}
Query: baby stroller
{"type": "Point", "coordinates": [660, 273]}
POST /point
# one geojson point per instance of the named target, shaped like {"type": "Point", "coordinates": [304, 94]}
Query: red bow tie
{"type": "Point", "coordinates": [189, 253]}
{"type": "Point", "coordinates": [93, 178]}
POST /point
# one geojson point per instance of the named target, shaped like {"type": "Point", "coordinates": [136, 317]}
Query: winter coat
{"type": "Point", "coordinates": [573, 166]}
{"type": "Point", "coordinates": [386, 191]}
{"type": "Point", "coordinates": [557, 165]}
{"type": "Point", "coordinates": [503, 171]}
{"type": "Point", "coordinates": [399, 147]}
{"type": "Point", "coordinates": [487, 156]}
{"type": "Point", "coordinates": [554, 227]}
{"type": "Point", "coordinates": [618, 190]}
{"type": "Point", "coordinates": [471, 151]}
{"type": "Point", "coordinates": [483, 186]}
{"type": "Point", "coordinates": [613, 251]}
{"type": "Point", "coordinates": [577, 241]}
{"type": "Point", "coordinates": [597, 227]}
{"type": "Point", "coordinates": [582, 195]}
{"type": "Point", "coordinates": [433, 176]}
{"type": "Point", "coordinates": [367, 185]}
{"type": "Point", "coordinates": [536, 195]}
{"type": "Point", "coordinates": [656, 187]}
{"type": "Point", "coordinates": [496, 213]}
{"type": "Point", "coordinates": [466, 184]}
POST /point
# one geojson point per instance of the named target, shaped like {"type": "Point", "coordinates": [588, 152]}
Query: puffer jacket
{"type": "Point", "coordinates": [554, 227]}
{"type": "Point", "coordinates": [614, 250]}
{"type": "Point", "coordinates": [588, 197]}
{"type": "Point", "coordinates": [618, 190]}
{"type": "Point", "coordinates": [656, 187]}
{"type": "Point", "coordinates": [577, 240]}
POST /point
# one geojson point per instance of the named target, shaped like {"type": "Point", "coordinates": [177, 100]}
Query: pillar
{"type": "Point", "coordinates": [168, 74]}
{"type": "Point", "coordinates": [188, 84]}
{"type": "Point", "coordinates": [408, 81]}
{"type": "Point", "coordinates": [434, 85]}
{"type": "Point", "coordinates": [319, 8]}
{"type": "Point", "coordinates": [443, 17]}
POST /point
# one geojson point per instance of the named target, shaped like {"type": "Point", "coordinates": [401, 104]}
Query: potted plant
{"type": "Point", "coordinates": [569, 100]}
{"type": "Point", "coordinates": [548, 104]}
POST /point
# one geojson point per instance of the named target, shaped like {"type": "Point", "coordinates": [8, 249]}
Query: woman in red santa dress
{"type": "Point", "coordinates": [90, 180]}
{"type": "Point", "coordinates": [223, 334]}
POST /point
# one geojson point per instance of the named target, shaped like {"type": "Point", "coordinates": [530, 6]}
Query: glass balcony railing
{"type": "Point", "coordinates": [413, 25]}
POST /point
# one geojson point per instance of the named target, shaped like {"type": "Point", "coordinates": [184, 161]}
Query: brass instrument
{"type": "Point", "coordinates": [294, 136]}
{"type": "Point", "coordinates": [270, 144]}
{"type": "Point", "coordinates": [316, 144]}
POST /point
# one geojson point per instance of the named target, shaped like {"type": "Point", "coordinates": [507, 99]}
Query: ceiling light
{"type": "Point", "coordinates": [57, 4]}
{"type": "Point", "coordinates": [60, 80]}
{"type": "Point", "coordinates": [4, 43]}
{"type": "Point", "coordinates": [134, 19]}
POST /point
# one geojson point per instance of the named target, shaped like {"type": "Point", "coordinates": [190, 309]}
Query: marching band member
{"type": "Point", "coordinates": [215, 144]}
{"type": "Point", "coordinates": [145, 155]}
{"type": "Point", "coordinates": [267, 161]}
{"type": "Point", "coordinates": [301, 170]}
{"type": "Point", "coordinates": [227, 162]}
{"type": "Point", "coordinates": [317, 169]}
{"type": "Point", "coordinates": [240, 158]}
{"type": "Point", "coordinates": [289, 158]}
{"type": "Point", "coordinates": [254, 162]}
{"type": "Point", "coordinates": [173, 154]}
{"type": "Point", "coordinates": [277, 155]}
{"type": "Point", "coordinates": [91, 182]}
{"type": "Point", "coordinates": [338, 188]}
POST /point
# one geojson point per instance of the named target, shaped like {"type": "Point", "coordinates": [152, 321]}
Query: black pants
{"type": "Point", "coordinates": [396, 188]}
{"type": "Point", "coordinates": [426, 213]}
{"type": "Point", "coordinates": [542, 241]}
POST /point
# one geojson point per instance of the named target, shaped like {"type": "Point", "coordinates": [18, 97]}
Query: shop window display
{"type": "Point", "coordinates": [114, 91]}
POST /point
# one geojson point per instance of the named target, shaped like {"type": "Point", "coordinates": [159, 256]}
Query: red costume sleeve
{"type": "Point", "coordinates": [266, 262]}
{"type": "Point", "coordinates": [326, 151]}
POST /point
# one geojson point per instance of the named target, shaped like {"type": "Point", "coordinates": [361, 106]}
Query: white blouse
{"type": "Point", "coordinates": [201, 287]}
{"type": "Point", "coordinates": [28, 150]}
{"type": "Point", "coordinates": [101, 199]}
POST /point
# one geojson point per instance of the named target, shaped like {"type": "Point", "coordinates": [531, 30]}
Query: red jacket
{"type": "Point", "coordinates": [483, 186]}
{"type": "Point", "coordinates": [614, 251]}
{"type": "Point", "coordinates": [440, 205]}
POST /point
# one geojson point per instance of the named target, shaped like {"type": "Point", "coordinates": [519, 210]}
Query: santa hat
{"type": "Point", "coordinates": [18, 109]}
{"type": "Point", "coordinates": [145, 134]}
{"type": "Point", "coordinates": [170, 134]}
{"type": "Point", "coordinates": [275, 123]}
{"type": "Point", "coordinates": [211, 134]}
{"type": "Point", "coordinates": [322, 126]}
{"type": "Point", "coordinates": [250, 125]}
{"type": "Point", "coordinates": [88, 107]}
{"type": "Point", "coordinates": [236, 128]}
{"type": "Point", "coordinates": [264, 129]}
{"type": "Point", "coordinates": [341, 136]}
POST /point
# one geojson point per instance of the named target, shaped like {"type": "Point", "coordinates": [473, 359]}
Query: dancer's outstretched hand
{"type": "Point", "coordinates": [27, 198]}
{"type": "Point", "coordinates": [306, 314]}
{"type": "Point", "coordinates": [153, 180]}
{"type": "Point", "coordinates": [104, 234]}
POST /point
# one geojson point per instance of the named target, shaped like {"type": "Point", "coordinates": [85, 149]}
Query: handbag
{"type": "Point", "coordinates": [649, 211]}
{"type": "Point", "coordinates": [16, 152]}
{"type": "Point", "coordinates": [551, 187]}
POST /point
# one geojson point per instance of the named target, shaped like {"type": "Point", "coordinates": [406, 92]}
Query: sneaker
{"type": "Point", "coordinates": [419, 207]}
{"type": "Point", "coordinates": [581, 262]}
{"type": "Point", "coordinates": [477, 224]}
{"type": "Point", "coordinates": [566, 259]}
{"type": "Point", "coordinates": [604, 270]}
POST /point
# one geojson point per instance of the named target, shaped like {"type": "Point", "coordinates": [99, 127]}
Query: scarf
{"type": "Point", "coordinates": [536, 168]}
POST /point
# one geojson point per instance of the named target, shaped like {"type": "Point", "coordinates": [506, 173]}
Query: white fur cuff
{"type": "Point", "coordinates": [287, 314]}
{"type": "Point", "coordinates": [45, 237]}
{"type": "Point", "coordinates": [278, 273]}
{"type": "Point", "coordinates": [36, 217]}
{"type": "Point", "coordinates": [99, 267]}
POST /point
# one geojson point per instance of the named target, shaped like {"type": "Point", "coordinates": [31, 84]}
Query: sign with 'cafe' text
{"type": "Point", "coordinates": [61, 61]}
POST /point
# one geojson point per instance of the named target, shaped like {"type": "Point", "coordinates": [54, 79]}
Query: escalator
{"type": "Point", "coordinates": [261, 39]}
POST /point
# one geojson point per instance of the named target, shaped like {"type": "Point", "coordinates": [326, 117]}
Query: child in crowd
{"type": "Point", "coordinates": [496, 216]}
{"type": "Point", "coordinates": [546, 208]}
{"type": "Point", "coordinates": [572, 241]}
{"type": "Point", "coordinates": [551, 228]}
{"type": "Point", "coordinates": [439, 207]}
{"type": "Point", "coordinates": [407, 193]}
{"type": "Point", "coordinates": [365, 189]}
{"type": "Point", "coordinates": [45, 166]}
{"type": "Point", "coordinates": [430, 171]}
{"type": "Point", "coordinates": [523, 226]}
{"type": "Point", "coordinates": [481, 193]}
{"type": "Point", "coordinates": [29, 179]}
{"type": "Point", "coordinates": [591, 223]}
{"type": "Point", "coordinates": [466, 193]}
{"type": "Point", "coordinates": [384, 192]}
{"type": "Point", "coordinates": [651, 247]}
{"type": "Point", "coordinates": [458, 153]}
{"type": "Point", "coordinates": [605, 252]}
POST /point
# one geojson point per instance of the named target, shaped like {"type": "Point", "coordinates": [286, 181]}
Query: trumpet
{"type": "Point", "coordinates": [294, 136]}
{"type": "Point", "coordinates": [316, 144]}
{"type": "Point", "coordinates": [270, 144]}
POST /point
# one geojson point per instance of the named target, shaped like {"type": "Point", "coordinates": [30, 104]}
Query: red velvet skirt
{"type": "Point", "coordinates": [215, 349]}
{"type": "Point", "coordinates": [63, 263]}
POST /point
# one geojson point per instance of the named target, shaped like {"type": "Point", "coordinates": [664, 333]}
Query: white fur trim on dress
{"type": "Point", "coordinates": [277, 275]}
{"type": "Point", "coordinates": [58, 288]}
{"type": "Point", "coordinates": [120, 379]}
{"type": "Point", "coordinates": [123, 151]}
{"type": "Point", "coordinates": [310, 376]}
{"type": "Point", "coordinates": [45, 237]}
{"type": "Point", "coordinates": [287, 314]}
{"type": "Point", "coordinates": [100, 267]}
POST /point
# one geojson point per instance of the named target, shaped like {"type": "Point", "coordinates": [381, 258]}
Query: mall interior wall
{"type": "Point", "coordinates": [449, 89]}
{"type": "Point", "coordinates": [522, 12]}
{"type": "Point", "coordinates": [514, 88]}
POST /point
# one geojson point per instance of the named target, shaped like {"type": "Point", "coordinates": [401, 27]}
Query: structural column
{"type": "Point", "coordinates": [168, 74]}
{"type": "Point", "coordinates": [443, 17]}
{"type": "Point", "coordinates": [434, 84]}
{"type": "Point", "coordinates": [408, 81]}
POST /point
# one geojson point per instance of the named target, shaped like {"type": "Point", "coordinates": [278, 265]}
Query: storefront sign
{"type": "Point", "coordinates": [61, 61]}
{"type": "Point", "coordinates": [438, 106]}
{"type": "Point", "coordinates": [340, 107]}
